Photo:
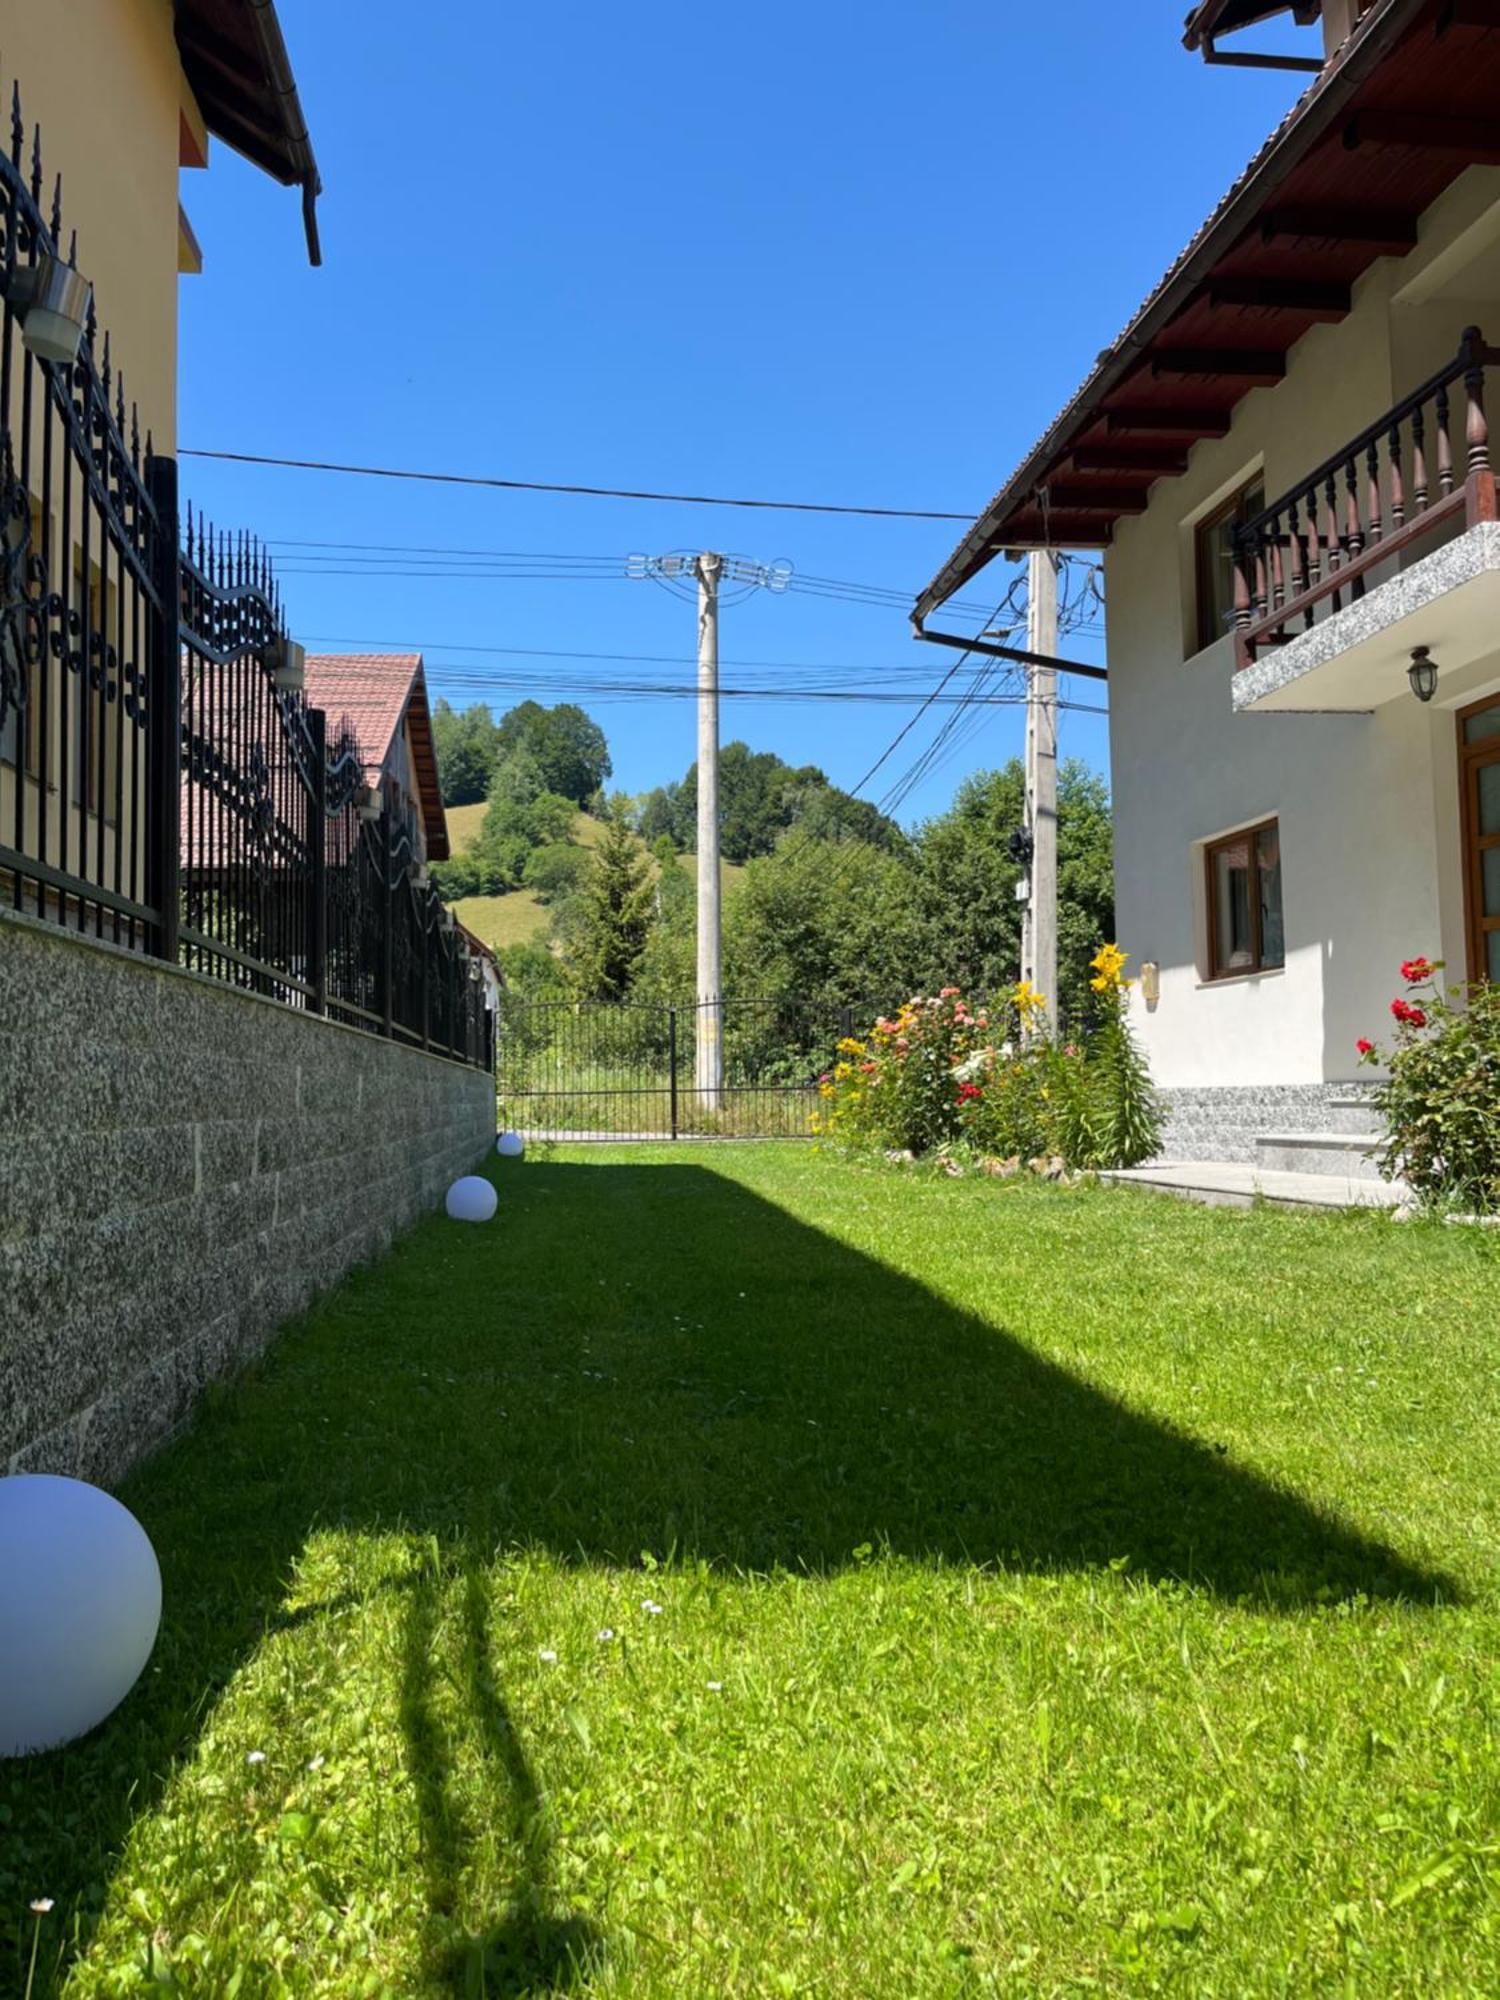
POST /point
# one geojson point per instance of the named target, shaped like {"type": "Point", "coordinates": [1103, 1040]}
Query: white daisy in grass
{"type": "Point", "coordinates": [547, 1656]}
{"type": "Point", "coordinates": [256, 1757]}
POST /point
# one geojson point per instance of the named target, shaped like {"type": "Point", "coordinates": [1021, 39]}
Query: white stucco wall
{"type": "Point", "coordinates": [1367, 804]}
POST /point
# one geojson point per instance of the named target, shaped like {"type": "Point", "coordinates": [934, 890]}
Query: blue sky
{"type": "Point", "coordinates": [859, 254]}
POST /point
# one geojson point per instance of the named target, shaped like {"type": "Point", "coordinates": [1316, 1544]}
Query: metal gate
{"type": "Point", "coordinates": [628, 1070]}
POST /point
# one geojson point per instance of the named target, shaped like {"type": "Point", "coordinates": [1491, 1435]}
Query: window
{"type": "Point", "coordinates": [1244, 902]}
{"type": "Point", "coordinates": [1214, 559]}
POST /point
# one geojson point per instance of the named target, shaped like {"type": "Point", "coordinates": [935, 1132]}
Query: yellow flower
{"type": "Point", "coordinates": [1028, 1000]}
{"type": "Point", "coordinates": [850, 1047]}
{"type": "Point", "coordinates": [1108, 963]}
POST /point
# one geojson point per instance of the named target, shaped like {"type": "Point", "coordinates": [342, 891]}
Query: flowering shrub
{"type": "Point", "coordinates": [945, 1072]}
{"type": "Point", "coordinates": [1440, 1102]}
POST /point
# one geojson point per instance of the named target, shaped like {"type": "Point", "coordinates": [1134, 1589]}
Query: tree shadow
{"type": "Point", "coordinates": [632, 1358]}
{"type": "Point", "coordinates": [531, 1950]}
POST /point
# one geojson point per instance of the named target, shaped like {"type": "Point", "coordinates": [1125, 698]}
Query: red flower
{"type": "Point", "coordinates": [1416, 971]}
{"type": "Point", "coordinates": [967, 1092]}
{"type": "Point", "coordinates": [1407, 1015]}
{"type": "Point", "coordinates": [1365, 1048]}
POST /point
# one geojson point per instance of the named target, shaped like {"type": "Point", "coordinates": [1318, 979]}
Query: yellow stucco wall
{"type": "Point", "coordinates": [102, 78]}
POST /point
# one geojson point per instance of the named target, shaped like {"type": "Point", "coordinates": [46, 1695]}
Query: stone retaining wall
{"type": "Point", "coordinates": [182, 1166]}
{"type": "Point", "coordinates": [1209, 1123]}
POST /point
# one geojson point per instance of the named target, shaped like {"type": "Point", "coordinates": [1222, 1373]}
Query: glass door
{"type": "Point", "coordinates": [1479, 766]}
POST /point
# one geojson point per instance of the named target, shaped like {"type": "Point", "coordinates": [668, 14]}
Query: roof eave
{"type": "Point", "coordinates": [1322, 104]}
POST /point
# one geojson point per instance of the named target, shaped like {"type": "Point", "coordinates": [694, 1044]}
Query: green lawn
{"type": "Point", "coordinates": [737, 1571]}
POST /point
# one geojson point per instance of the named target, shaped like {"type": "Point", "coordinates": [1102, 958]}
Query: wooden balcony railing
{"type": "Point", "coordinates": [1309, 553]}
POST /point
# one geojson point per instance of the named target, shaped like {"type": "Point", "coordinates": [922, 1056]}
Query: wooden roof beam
{"type": "Point", "coordinates": [1469, 14]}
{"type": "Point", "coordinates": [1256, 367]}
{"type": "Point", "coordinates": [1388, 232]}
{"type": "Point", "coordinates": [1152, 459]}
{"type": "Point", "coordinates": [1180, 423]}
{"type": "Point", "coordinates": [1476, 140]}
{"type": "Point", "coordinates": [1061, 531]}
{"type": "Point", "coordinates": [1083, 499]}
{"type": "Point", "coordinates": [1316, 299]}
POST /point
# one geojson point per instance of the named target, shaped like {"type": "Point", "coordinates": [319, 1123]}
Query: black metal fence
{"type": "Point", "coordinates": [642, 1070]}
{"type": "Point", "coordinates": [163, 782]}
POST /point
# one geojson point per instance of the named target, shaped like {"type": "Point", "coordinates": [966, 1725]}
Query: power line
{"type": "Point", "coordinates": [584, 492]}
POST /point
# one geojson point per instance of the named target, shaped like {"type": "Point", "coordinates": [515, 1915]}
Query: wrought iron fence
{"type": "Point", "coordinates": [570, 1069]}
{"type": "Point", "coordinates": [163, 782]}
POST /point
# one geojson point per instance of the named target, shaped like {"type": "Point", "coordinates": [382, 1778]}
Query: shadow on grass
{"type": "Point", "coordinates": [632, 1358]}
{"type": "Point", "coordinates": [530, 1950]}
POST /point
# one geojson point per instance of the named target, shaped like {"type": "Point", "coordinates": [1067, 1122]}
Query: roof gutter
{"type": "Point", "coordinates": [294, 123]}
{"type": "Point", "coordinates": [1325, 102]}
{"type": "Point", "coordinates": [993, 652]}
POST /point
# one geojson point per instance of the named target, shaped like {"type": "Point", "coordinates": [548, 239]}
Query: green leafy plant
{"type": "Point", "coordinates": [1440, 1101]}
{"type": "Point", "coordinates": [946, 1071]}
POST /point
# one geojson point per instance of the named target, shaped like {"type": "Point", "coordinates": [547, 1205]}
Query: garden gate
{"type": "Point", "coordinates": [581, 1069]}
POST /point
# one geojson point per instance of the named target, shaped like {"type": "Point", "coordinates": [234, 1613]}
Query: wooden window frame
{"type": "Point", "coordinates": [1211, 848]}
{"type": "Point", "coordinates": [1470, 755]}
{"type": "Point", "coordinates": [1227, 510]}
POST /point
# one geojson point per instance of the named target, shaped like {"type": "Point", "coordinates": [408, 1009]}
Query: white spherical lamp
{"type": "Point", "coordinates": [80, 1603]}
{"type": "Point", "coordinates": [472, 1199]}
{"type": "Point", "coordinates": [510, 1145]}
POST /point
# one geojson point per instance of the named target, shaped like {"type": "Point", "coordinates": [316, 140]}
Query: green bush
{"type": "Point", "coordinates": [1440, 1102]}
{"type": "Point", "coordinates": [945, 1072]}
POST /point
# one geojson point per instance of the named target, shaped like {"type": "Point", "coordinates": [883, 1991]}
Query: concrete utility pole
{"type": "Point", "coordinates": [740, 573]}
{"type": "Point", "coordinates": [1039, 925]}
{"type": "Point", "coordinates": [708, 1062]}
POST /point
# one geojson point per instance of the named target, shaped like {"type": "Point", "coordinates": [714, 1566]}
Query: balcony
{"type": "Point", "coordinates": [1391, 543]}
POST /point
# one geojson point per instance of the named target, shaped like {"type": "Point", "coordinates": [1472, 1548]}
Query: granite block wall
{"type": "Point", "coordinates": [182, 1167]}
{"type": "Point", "coordinates": [1205, 1123]}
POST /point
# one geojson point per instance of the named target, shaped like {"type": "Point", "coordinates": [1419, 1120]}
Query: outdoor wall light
{"type": "Point", "coordinates": [1422, 673]}
{"type": "Point", "coordinates": [52, 300]}
{"type": "Point", "coordinates": [288, 663]}
{"type": "Point", "coordinates": [368, 802]}
{"type": "Point", "coordinates": [416, 874]}
{"type": "Point", "coordinates": [1150, 981]}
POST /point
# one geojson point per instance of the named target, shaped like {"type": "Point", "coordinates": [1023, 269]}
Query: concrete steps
{"type": "Point", "coordinates": [1349, 1154]}
{"type": "Point", "coordinates": [1235, 1184]}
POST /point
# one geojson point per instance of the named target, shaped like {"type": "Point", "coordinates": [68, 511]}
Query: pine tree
{"type": "Point", "coordinates": [618, 912]}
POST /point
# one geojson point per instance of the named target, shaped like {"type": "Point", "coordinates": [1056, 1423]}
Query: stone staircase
{"type": "Point", "coordinates": [1224, 1153]}
{"type": "Point", "coordinates": [1347, 1144]}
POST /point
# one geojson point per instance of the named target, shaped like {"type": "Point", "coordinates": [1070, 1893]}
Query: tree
{"type": "Point", "coordinates": [834, 923]}
{"type": "Point", "coordinates": [967, 878]}
{"type": "Point", "coordinates": [617, 915]}
{"type": "Point", "coordinates": [555, 871]}
{"type": "Point", "coordinates": [760, 797]}
{"type": "Point", "coordinates": [568, 746]}
{"type": "Point", "coordinates": [465, 744]}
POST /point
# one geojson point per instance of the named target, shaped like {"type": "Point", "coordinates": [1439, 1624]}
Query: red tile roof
{"type": "Point", "coordinates": [375, 691]}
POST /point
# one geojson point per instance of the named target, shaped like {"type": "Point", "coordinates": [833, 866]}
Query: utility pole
{"type": "Point", "coordinates": [708, 1059]}
{"type": "Point", "coordinates": [710, 570]}
{"type": "Point", "coordinates": [1039, 925]}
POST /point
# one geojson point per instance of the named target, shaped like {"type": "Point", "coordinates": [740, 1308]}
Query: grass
{"type": "Point", "coordinates": [1056, 1592]}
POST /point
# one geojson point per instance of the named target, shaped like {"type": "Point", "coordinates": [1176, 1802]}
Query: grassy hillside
{"type": "Point", "coordinates": [518, 917]}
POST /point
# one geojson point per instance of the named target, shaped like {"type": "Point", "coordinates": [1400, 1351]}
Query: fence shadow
{"type": "Point", "coordinates": [633, 1358]}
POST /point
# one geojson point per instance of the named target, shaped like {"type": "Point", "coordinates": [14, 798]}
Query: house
{"type": "Point", "coordinates": [383, 699]}
{"type": "Point", "coordinates": [107, 101]}
{"type": "Point", "coordinates": [1285, 462]}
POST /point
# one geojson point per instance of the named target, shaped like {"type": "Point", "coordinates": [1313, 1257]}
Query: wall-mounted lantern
{"type": "Point", "coordinates": [52, 301]}
{"type": "Point", "coordinates": [288, 663]}
{"type": "Point", "coordinates": [1422, 673]}
{"type": "Point", "coordinates": [368, 802]}
{"type": "Point", "coordinates": [1150, 981]}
